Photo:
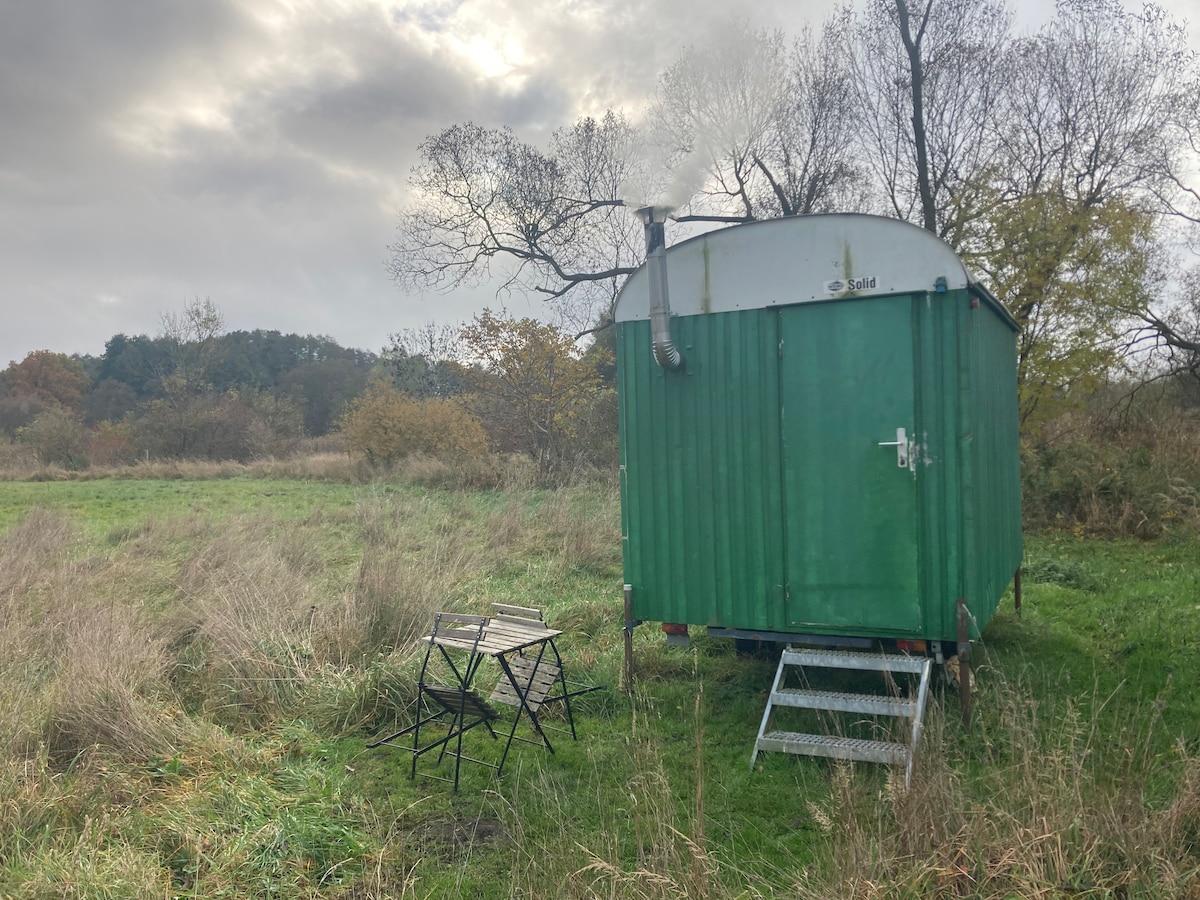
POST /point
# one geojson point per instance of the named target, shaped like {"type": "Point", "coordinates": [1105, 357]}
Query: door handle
{"type": "Point", "coordinates": [901, 445]}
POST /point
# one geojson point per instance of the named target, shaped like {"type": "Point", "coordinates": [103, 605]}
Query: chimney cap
{"type": "Point", "coordinates": [655, 214]}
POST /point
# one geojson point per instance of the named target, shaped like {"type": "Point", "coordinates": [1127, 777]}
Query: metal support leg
{"type": "Point", "coordinates": [1017, 590]}
{"type": "Point", "coordinates": [964, 663]}
{"type": "Point", "coordinates": [629, 625]}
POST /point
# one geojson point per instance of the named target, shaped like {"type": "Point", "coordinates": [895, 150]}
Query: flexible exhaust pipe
{"type": "Point", "coordinates": [666, 354]}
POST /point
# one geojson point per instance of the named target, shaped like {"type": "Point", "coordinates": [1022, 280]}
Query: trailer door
{"type": "Point", "coordinates": [849, 476]}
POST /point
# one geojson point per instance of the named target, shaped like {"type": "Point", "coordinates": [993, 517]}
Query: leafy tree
{"type": "Point", "coordinates": [385, 425]}
{"type": "Point", "coordinates": [1073, 276]}
{"type": "Point", "coordinates": [140, 362]}
{"type": "Point", "coordinates": [324, 387]}
{"type": "Point", "coordinates": [18, 411]}
{"type": "Point", "coordinates": [261, 359]}
{"type": "Point", "coordinates": [530, 382]}
{"type": "Point", "coordinates": [108, 401]}
{"type": "Point", "coordinates": [594, 439]}
{"type": "Point", "coordinates": [51, 377]}
{"type": "Point", "coordinates": [57, 438]}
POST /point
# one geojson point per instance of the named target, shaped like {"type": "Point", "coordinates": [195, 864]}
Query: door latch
{"type": "Point", "coordinates": [901, 445]}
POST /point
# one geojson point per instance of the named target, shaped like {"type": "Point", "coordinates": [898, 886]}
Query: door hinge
{"type": "Point", "coordinates": [781, 349]}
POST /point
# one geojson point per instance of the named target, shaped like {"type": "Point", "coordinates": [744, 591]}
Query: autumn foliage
{"type": "Point", "coordinates": [385, 425]}
{"type": "Point", "coordinates": [530, 383]}
{"type": "Point", "coordinates": [53, 378]}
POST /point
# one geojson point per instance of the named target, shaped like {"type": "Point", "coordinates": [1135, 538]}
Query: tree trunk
{"type": "Point", "coordinates": [913, 46]}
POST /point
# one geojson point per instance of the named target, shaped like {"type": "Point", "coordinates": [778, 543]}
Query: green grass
{"type": "Point", "coordinates": [108, 507]}
{"type": "Point", "coordinates": [190, 670]}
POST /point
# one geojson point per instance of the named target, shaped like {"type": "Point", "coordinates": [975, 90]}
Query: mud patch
{"type": "Point", "coordinates": [448, 839]}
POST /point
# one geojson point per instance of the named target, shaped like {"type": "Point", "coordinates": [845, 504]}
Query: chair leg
{"type": "Point", "coordinates": [511, 734]}
{"type": "Point", "coordinates": [458, 752]}
{"type": "Point", "coordinates": [416, 738]}
{"type": "Point", "coordinates": [566, 694]}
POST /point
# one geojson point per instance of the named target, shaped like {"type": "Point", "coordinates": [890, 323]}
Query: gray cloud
{"type": "Point", "coordinates": [255, 152]}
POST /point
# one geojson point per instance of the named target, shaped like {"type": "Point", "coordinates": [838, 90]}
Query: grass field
{"type": "Point", "coordinates": [190, 670]}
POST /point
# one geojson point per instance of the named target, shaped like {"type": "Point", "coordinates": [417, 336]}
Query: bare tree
{"type": "Point", "coordinates": [721, 104]}
{"type": "Point", "coordinates": [1172, 333]}
{"type": "Point", "coordinates": [191, 336]}
{"type": "Point", "coordinates": [554, 219]}
{"type": "Point", "coordinates": [740, 130]}
{"type": "Point", "coordinates": [928, 84]}
{"type": "Point", "coordinates": [812, 165]}
{"type": "Point", "coordinates": [1099, 105]}
{"type": "Point", "coordinates": [425, 360]}
{"type": "Point", "coordinates": [1100, 115]}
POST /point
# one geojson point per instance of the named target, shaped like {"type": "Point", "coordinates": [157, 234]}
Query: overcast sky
{"type": "Point", "coordinates": [255, 152]}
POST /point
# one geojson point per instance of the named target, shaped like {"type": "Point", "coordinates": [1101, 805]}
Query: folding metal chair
{"type": "Point", "coordinates": [454, 704]}
{"type": "Point", "coordinates": [540, 680]}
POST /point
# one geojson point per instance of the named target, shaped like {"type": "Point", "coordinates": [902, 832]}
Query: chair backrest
{"type": "Point", "coordinates": [458, 628]}
{"type": "Point", "coordinates": [520, 616]}
{"type": "Point", "coordinates": [520, 612]}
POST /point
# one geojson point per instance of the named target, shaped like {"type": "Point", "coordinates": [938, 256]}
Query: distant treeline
{"type": "Point", "coordinates": [314, 370]}
{"type": "Point", "coordinates": [192, 391]}
{"type": "Point", "coordinates": [195, 391]}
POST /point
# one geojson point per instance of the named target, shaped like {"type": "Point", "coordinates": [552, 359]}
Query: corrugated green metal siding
{"type": "Point", "coordinates": [995, 448]}
{"type": "Point", "coordinates": [706, 509]}
{"type": "Point", "coordinates": [701, 501]}
{"type": "Point", "coordinates": [970, 541]}
{"type": "Point", "coordinates": [938, 363]}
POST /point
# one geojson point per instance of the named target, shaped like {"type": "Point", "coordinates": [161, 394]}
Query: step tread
{"type": "Point", "coordinates": [845, 701]}
{"type": "Point", "coordinates": [833, 747]}
{"type": "Point", "coordinates": [849, 659]}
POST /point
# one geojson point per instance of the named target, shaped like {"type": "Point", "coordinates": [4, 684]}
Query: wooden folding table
{"type": "Point", "coordinates": [531, 676]}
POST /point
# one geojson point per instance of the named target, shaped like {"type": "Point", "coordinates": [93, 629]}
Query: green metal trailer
{"type": "Point", "coordinates": [818, 434]}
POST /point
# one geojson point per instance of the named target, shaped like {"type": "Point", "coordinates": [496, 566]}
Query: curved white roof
{"type": "Point", "coordinates": [796, 260]}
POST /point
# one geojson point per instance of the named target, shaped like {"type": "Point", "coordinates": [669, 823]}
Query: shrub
{"type": "Point", "coordinates": [18, 411]}
{"type": "Point", "coordinates": [233, 426]}
{"type": "Point", "coordinates": [1138, 477]}
{"type": "Point", "coordinates": [529, 385]}
{"type": "Point", "coordinates": [111, 444]}
{"type": "Point", "coordinates": [57, 438]}
{"type": "Point", "coordinates": [385, 425]}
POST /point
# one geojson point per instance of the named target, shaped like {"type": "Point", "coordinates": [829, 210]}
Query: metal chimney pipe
{"type": "Point", "coordinates": [665, 351]}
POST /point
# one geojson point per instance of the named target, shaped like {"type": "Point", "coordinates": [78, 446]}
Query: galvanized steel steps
{"type": "Point", "coordinates": [834, 747]}
{"type": "Point", "coordinates": [842, 701]}
{"type": "Point", "coordinates": [911, 708]}
{"type": "Point", "coordinates": [853, 659]}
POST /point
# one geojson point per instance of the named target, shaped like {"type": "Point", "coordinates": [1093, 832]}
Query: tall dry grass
{"type": "Point", "coordinates": [1031, 803]}
{"type": "Point", "coordinates": [78, 674]}
{"type": "Point", "coordinates": [316, 461]}
{"type": "Point", "coordinates": [1137, 474]}
{"type": "Point", "coordinates": [136, 653]}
